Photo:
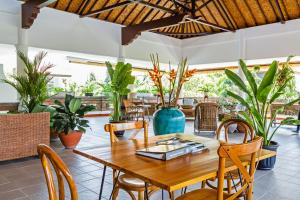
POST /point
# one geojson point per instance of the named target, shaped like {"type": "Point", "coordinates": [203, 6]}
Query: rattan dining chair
{"type": "Point", "coordinates": [47, 156]}
{"type": "Point", "coordinates": [126, 182]}
{"type": "Point", "coordinates": [238, 154]}
{"type": "Point", "coordinates": [133, 111]}
{"type": "Point", "coordinates": [206, 117]}
{"type": "Point", "coordinates": [247, 135]}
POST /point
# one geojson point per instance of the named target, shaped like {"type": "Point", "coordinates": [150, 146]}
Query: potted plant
{"type": "Point", "coordinates": [259, 97]}
{"type": "Point", "coordinates": [169, 118]}
{"type": "Point", "coordinates": [120, 78]}
{"type": "Point", "coordinates": [32, 85]}
{"type": "Point", "coordinates": [68, 122]}
{"type": "Point", "coordinates": [34, 127]}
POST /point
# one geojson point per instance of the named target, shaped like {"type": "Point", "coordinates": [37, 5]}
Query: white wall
{"type": "Point", "coordinates": [268, 41]}
{"type": "Point", "coordinates": [58, 30]}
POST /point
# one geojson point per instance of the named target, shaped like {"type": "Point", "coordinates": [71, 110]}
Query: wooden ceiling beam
{"type": "Point", "coordinates": [184, 34]}
{"type": "Point", "coordinates": [200, 21]}
{"type": "Point", "coordinates": [129, 33]}
{"type": "Point", "coordinates": [108, 8]}
{"type": "Point", "coordinates": [31, 9]}
{"type": "Point", "coordinates": [281, 16]}
{"type": "Point", "coordinates": [184, 7]}
{"type": "Point", "coordinates": [158, 7]}
{"type": "Point", "coordinates": [204, 5]}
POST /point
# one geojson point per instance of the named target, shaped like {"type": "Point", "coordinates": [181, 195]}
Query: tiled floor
{"type": "Point", "coordinates": [24, 179]}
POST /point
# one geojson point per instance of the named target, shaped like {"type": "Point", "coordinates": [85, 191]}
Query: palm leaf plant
{"type": "Point", "coordinates": [260, 96]}
{"type": "Point", "coordinates": [120, 77]}
{"type": "Point", "coordinates": [32, 85]}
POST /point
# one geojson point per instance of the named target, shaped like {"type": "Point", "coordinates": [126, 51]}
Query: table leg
{"type": "Point", "coordinates": [172, 195]}
{"type": "Point", "coordinates": [146, 191]}
{"type": "Point", "coordinates": [102, 182]}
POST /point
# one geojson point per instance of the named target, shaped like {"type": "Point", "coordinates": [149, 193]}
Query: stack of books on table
{"type": "Point", "coordinates": [172, 148]}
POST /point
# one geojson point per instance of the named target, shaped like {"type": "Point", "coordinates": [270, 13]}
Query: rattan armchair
{"type": "Point", "coordinates": [206, 117]}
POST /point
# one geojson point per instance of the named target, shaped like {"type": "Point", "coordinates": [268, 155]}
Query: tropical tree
{"type": "Point", "coordinates": [259, 98]}
{"type": "Point", "coordinates": [32, 85]}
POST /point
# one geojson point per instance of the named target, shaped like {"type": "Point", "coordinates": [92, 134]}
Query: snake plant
{"type": "Point", "coordinates": [259, 97]}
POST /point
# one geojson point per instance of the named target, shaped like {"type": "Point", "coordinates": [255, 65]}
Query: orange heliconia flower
{"type": "Point", "coordinates": [172, 75]}
{"type": "Point", "coordinates": [188, 74]}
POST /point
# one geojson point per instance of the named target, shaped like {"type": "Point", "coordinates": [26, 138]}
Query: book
{"type": "Point", "coordinates": [166, 150]}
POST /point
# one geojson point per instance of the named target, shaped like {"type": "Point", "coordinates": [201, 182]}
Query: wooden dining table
{"type": "Point", "coordinates": [168, 175]}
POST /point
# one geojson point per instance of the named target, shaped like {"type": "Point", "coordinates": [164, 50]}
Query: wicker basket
{"type": "Point", "coordinates": [21, 133]}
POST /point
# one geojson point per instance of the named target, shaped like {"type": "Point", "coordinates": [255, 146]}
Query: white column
{"type": "Point", "coordinates": [121, 56]}
{"type": "Point", "coordinates": [242, 51]}
{"type": "Point", "coordinates": [242, 55]}
{"type": "Point", "coordinates": [21, 46]}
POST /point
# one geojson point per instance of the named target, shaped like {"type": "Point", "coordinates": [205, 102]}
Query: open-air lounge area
{"type": "Point", "coordinates": [149, 99]}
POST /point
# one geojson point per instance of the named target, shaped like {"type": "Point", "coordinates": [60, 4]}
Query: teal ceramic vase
{"type": "Point", "coordinates": [168, 120]}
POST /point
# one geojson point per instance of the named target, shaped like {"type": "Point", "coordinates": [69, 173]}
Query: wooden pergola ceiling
{"type": "Point", "coordinates": [179, 18]}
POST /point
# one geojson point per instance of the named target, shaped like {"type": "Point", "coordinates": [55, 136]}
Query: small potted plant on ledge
{"type": "Point", "coordinates": [169, 118]}
{"type": "Point", "coordinates": [120, 78]}
{"type": "Point", "coordinates": [259, 97]}
{"type": "Point", "coordinates": [68, 122]}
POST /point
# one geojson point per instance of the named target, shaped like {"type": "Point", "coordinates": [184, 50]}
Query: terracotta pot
{"type": "Point", "coordinates": [71, 139]}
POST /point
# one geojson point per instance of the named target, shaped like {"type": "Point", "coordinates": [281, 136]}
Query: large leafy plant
{"type": "Point", "coordinates": [259, 98]}
{"type": "Point", "coordinates": [68, 117]}
{"type": "Point", "coordinates": [120, 78]}
{"type": "Point", "coordinates": [32, 85]}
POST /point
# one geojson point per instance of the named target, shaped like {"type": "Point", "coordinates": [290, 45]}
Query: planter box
{"type": "Point", "coordinates": [21, 133]}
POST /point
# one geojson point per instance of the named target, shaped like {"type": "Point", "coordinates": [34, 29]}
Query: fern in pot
{"type": "Point", "coordinates": [68, 120]}
{"type": "Point", "coordinates": [120, 78]}
{"type": "Point", "coordinates": [259, 98]}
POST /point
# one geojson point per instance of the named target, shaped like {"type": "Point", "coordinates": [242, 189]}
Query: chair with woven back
{"type": "Point", "coordinates": [133, 111]}
{"type": "Point", "coordinates": [206, 116]}
{"type": "Point", "coordinates": [247, 135]}
{"type": "Point", "coordinates": [47, 156]}
{"type": "Point", "coordinates": [241, 155]}
{"type": "Point", "coordinates": [126, 182]}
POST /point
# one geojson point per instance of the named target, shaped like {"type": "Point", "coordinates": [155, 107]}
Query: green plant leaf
{"type": "Point", "coordinates": [279, 91]}
{"type": "Point", "coordinates": [292, 102]}
{"type": "Point", "coordinates": [237, 81]}
{"type": "Point", "coordinates": [238, 98]}
{"type": "Point", "coordinates": [249, 77]}
{"type": "Point", "coordinates": [74, 105]}
{"type": "Point", "coordinates": [269, 77]}
{"type": "Point", "coordinates": [263, 95]}
{"type": "Point", "coordinates": [289, 121]}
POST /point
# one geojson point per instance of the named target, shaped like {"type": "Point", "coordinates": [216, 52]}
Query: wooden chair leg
{"type": "Point", "coordinates": [115, 193]}
{"type": "Point", "coordinates": [203, 184]}
{"type": "Point", "coordinates": [141, 195]}
{"type": "Point", "coordinates": [130, 194]}
{"type": "Point", "coordinates": [172, 197]}
{"type": "Point", "coordinates": [229, 186]}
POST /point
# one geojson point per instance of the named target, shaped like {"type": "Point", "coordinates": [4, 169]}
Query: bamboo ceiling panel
{"type": "Point", "coordinates": [203, 16]}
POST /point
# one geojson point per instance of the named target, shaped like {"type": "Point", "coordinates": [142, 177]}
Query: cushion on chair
{"type": "Point", "coordinates": [202, 194]}
{"type": "Point", "coordinates": [131, 181]}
